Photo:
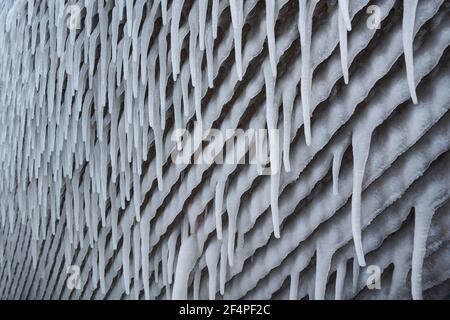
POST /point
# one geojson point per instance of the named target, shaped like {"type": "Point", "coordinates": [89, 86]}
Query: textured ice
{"type": "Point", "coordinates": [86, 177]}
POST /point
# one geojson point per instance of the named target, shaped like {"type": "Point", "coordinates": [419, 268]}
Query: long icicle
{"type": "Point", "coordinates": [162, 45]}
{"type": "Point", "coordinates": [361, 148]}
{"type": "Point", "coordinates": [171, 259]}
{"type": "Point", "coordinates": [423, 216]}
{"type": "Point", "coordinates": [237, 13]}
{"type": "Point", "coordinates": [288, 105]}
{"type": "Point", "coordinates": [344, 27]}
{"type": "Point", "coordinates": [218, 206]}
{"type": "Point", "coordinates": [274, 149]}
{"type": "Point", "coordinates": [212, 255]}
{"type": "Point", "coordinates": [136, 250]}
{"type": "Point", "coordinates": [126, 260]}
{"type": "Point", "coordinates": [202, 12]}
{"type": "Point", "coordinates": [340, 280]}
{"type": "Point", "coordinates": [223, 265]}
{"type": "Point", "coordinates": [215, 18]}
{"type": "Point", "coordinates": [306, 13]}
{"type": "Point", "coordinates": [187, 257]}
{"type": "Point", "coordinates": [270, 24]}
{"type": "Point", "coordinates": [338, 154]}
{"type": "Point", "coordinates": [232, 210]}
{"type": "Point", "coordinates": [409, 18]}
{"type": "Point", "coordinates": [293, 287]}
{"type": "Point", "coordinates": [144, 228]}
{"type": "Point", "coordinates": [323, 264]}
{"type": "Point", "coordinates": [355, 275]}
{"type": "Point", "coordinates": [196, 284]}
{"type": "Point", "coordinates": [209, 45]}
{"type": "Point", "coordinates": [344, 10]}
{"type": "Point", "coordinates": [177, 7]}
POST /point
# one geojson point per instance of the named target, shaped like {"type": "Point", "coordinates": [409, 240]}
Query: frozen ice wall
{"type": "Point", "coordinates": [92, 205]}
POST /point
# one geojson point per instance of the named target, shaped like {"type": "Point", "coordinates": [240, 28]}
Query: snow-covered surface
{"type": "Point", "coordinates": [86, 177]}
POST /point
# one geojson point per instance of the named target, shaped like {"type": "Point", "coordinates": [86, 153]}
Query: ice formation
{"type": "Point", "coordinates": [91, 92]}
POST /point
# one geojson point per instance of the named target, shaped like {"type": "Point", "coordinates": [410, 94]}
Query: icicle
{"type": "Point", "coordinates": [340, 280]}
{"type": "Point", "coordinates": [69, 212]}
{"type": "Point", "coordinates": [288, 104]}
{"type": "Point", "coordinates": [136, 258]}
{"type": "Point", "coordinates": [87, 209]}
{"type": "Point", "coordinates": [101, 263]}
{"type": "Point", "coordinates": [215, 18]}
{"type": "Point", "coordinates": [144, 227]}
{"type": "Point", "coordinates": [323, 264]}
{"type": "Point", "coordinates": [272, 119]}
{"type": "Point", "coordinates": [232, 216]}
{"type": "Point", "coordinates": [158, 131]}
{"type": "Point", "coordinates": [164, 269]}
{"type": "Point", "coordinates": [126, 260]}
{"type": "Point", "coordinates": [209, 43]}
{"type": "Point", "coordinates": [223, 266]}
{"type": "Point", "coordinates": [156, 267]}
{"type": "Point", "coordinates": [237, 17]}
{"type": "Point", "coordinates": [344, 12]}
{"type": "Point", "coordinates": [171, 259]}
{"type": "Point", "coordinates": [338, 154]}
{"type": "Point", "coordinates": [355, 278]}
{"type": "Point", "coordinates": [305, 28]}
{"type": "Point", "coordinates": [76, 201]}
{"type": "Point", "coordinates": [187, 258]}
{"type": "Point", "coordinates": [94, 214]}
{"type": "Point", "coordinates": [212, 255]}
{"type": "Point", "coordinates": [177, 108]}
{"type": "Point", "coordinates": [409, 18]}
{"type": "Point", "coordinates": [185, 76]}
{"type": "Point", "coordinates": [159, 155]}
{"type": "Point", "coordinates": [114, 214]}
{"type": "Point", "coordinates": [422, 221]}
{"type": "Point", "coordinates": [162, 46]}
{"type": "Point", "coordinates": [196, 60]}
{"type": "Point", "coordinates": [94, 259]}
{"type": "Point", "coordinates": [137, 194]}
{"type": "Point", "coordinates": [361, 148]}
{"type": "Point", "coordinates": [196, 285]}
{"type": "Point", "coordinates": [398, 280]}
{"type": "Point", "coordinates": [202, 14]}
{"type": "Point", "coordinates": [136, 24]}
{"type": "Point", "coordinates": [168, 292]}
{"type": "Point", "coordinates": [270, 24]}
{"type": "Point", "coordinates": [293, 288]}
{"type": "Point", "coordinates": [152, 94]}
{"type": "Point", "coordinates": [177, 6]}
{"type": "Point", "coordinates": [218, 206]}
{"type": "Point", "coordinates": [344, 26]}
{"type": "Point", "coordinates": [114, 33]}
{"type": "Point", "coordinates": [184, 229]}
{"type": "Point", "coordinates": [103, 22]}
{"type": "Point", "coordinates": [193, 39]}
